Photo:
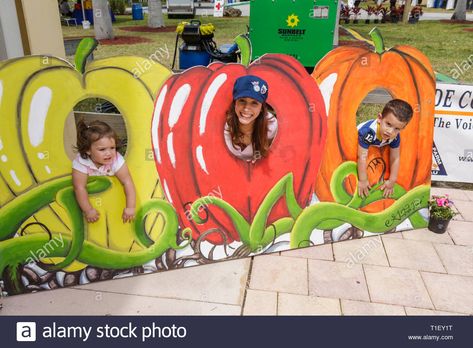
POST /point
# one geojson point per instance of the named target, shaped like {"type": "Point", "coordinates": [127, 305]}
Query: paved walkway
{"type": "Point", "coordinates": [409, 273]}
{"type": "Point", "coordinates": [427, 16]}
{"type": "Point", "coordinates": [434, 16]}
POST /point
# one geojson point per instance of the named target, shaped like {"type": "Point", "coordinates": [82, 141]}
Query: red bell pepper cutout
{"type": "Point", "coordinates": [190, 151]}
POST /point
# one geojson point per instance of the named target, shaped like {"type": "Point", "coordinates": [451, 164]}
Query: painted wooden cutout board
{"type": "Point", "coordinates": [196, 202]}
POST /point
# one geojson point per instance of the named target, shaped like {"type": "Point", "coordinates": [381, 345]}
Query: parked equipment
{"type": "Point", "coordinates": [199, 48]}
{"type": "Point", "coordinates": [180, 8]}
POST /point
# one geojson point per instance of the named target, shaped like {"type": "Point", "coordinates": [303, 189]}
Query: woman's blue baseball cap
{"type": "Point", "coordinates": [250, 86]}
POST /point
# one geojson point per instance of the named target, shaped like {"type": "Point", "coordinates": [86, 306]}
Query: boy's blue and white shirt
{"type": "Point", "coordinates": [367, 136]}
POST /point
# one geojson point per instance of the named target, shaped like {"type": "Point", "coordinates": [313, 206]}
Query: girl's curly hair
{"type": "Point", "coordinates": [88, 134]}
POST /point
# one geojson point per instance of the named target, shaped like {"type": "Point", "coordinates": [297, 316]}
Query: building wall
{"type": "Point", "coordinates": [43, 27]}
{"type": "Point", "coordinates": [3, 49]}
{"type": "Point", "coordinates": [10, 36]}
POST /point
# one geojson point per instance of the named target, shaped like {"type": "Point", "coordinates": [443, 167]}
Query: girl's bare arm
{"type": "Point", "coordinates": [125, 178]}
{"type": "Point", "coordinates": [79, 181]}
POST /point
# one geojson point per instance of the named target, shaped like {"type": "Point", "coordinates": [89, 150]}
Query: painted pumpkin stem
{"type": "Point", "coordinates": [84, 50]}
{"type": "Point", "coordinates": [378, 40]}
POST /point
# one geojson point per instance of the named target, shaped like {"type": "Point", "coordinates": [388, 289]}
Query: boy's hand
{"type": "Point", "coordinates": [128, 214]}
{"type": "Point", "coordinates": [388, 188]}
{"type": "Point", "coordinates": [92, 215]}
{"type": "Point", "coordinates": [363, 188]}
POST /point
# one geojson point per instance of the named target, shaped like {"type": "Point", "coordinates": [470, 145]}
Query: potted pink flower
{"type": "Point", "coordinates": [441, 212]}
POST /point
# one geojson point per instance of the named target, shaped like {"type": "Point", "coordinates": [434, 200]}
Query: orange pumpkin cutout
{"type": "Point", "coordinates": [353, 72]}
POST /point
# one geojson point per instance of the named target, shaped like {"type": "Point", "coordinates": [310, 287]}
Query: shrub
{"type": "Point", "coordinates": [118, 6]}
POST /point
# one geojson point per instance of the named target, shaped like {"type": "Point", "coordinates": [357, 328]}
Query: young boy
{"type": "Point", "coordinates": [379, 132]}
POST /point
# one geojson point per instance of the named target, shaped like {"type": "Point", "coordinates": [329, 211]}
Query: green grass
{"type": "Point", "coordinates": [444, 44]}
{"type": "Point", "coordinates": [227, 30]}
{"type": "Point", "coordinates": [367, 112]}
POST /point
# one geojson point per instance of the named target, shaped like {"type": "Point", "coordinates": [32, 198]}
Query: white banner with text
{"type": "Point", "coordinates": [452, 155]}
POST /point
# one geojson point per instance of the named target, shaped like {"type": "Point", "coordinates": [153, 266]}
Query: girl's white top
{"type": "Point", "coordinates": [88, 167]}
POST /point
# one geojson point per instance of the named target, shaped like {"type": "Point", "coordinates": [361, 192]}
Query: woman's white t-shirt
{"type": "Point", "coordinates": [247, 153]}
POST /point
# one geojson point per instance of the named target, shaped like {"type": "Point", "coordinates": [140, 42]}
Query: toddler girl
{"type": "Point", "coordinates": [98, 156]}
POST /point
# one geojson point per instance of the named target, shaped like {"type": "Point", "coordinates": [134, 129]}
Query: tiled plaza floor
{"type": "Point", "coordinates": [410, 273]}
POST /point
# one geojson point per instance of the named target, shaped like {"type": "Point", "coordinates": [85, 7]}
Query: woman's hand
{"type": "Point", "coordinates": [92, 215]}
{"type": "Point", "coordinates": [128, 214]}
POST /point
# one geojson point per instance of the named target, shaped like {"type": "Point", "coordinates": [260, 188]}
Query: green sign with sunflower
{"type": "Point", "coordinates": [302, 29]}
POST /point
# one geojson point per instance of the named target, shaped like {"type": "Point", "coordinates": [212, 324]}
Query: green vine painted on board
{"type": "Point", "coordinates": [322, 216]}
{"type": "Point", "coordinates": [255, 235]}
{"type": "Point", "coordinates": [16, 251]}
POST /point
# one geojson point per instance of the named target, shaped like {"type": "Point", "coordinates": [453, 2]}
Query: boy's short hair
{"type": "Point", "coordinates": [399, 108]}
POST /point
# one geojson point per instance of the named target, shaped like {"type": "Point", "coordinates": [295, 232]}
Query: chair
{"type": "Point", "coordinates": [68, 20]}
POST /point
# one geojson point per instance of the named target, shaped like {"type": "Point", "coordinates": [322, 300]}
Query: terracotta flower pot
{"type": "Point", "coordinates": [438, 225]}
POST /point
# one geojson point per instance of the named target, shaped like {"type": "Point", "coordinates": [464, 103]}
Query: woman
{"type": "Point", "coordinates": [250, 128]}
